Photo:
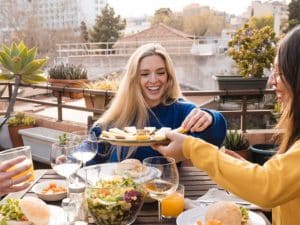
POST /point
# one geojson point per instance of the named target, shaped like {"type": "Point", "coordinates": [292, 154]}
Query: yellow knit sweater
{"type": "Point", "coordinates": [274, 185]}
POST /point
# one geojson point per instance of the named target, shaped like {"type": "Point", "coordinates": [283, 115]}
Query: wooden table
{"type": "Point", "coordinates": [196, 184]}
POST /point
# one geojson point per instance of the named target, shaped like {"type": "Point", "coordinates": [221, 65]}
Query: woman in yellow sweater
{"type": "Point", "coordinates": [276, 184]}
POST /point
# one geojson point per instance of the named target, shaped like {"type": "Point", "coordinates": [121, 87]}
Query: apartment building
{"type": "Point", "coordinates": [49, 14]}
{"type": "Point", "coordinates": [66, 14]}
{"type": "Point", "coordinates": [278, 9]}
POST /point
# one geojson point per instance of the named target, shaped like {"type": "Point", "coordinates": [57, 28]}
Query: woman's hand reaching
{"type": "Point", "coordinates": [174, 148]}
{"type": "Point", "coordinates": [197, 120]}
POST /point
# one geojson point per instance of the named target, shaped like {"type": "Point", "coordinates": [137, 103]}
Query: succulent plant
{"type": "Point", "coordinates": [21, 119]}
{"type": "Point", "coordinates": [235, 141]}
{"type": "Point", "coordinates": [68, 72]}
{"type": "Point", "coordinates": [20, 64]}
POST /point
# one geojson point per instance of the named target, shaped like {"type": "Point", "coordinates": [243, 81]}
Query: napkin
{"type": "Point", "coordinates": [215, 195]}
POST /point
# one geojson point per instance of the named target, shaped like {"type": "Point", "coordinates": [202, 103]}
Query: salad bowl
{"type": "Point", "coordinates": [114, 200]}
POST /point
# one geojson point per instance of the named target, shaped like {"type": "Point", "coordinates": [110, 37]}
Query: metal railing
{"type": "Point", "coordinates": [174, 47]}
{"type": "Point", "coordinates": [242, 112]}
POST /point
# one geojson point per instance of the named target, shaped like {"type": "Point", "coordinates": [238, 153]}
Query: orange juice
{"type": "Point", "coordinates": [172, 205]}
{"type": "Point", "coordinates": [30, 170]}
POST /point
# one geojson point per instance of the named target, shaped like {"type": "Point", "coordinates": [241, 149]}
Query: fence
{"type": "Point", "coordinates": [243, 112]}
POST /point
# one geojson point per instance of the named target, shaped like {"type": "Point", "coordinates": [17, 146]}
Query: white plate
{"type": "Point", "coordinates": [190, 217]}
{"type": "Point", "coordinates": [96, 172]}
{"type": "Point", "coordinates": [38, 188]}
{"type": "Point", "coordinates": [57, 216]}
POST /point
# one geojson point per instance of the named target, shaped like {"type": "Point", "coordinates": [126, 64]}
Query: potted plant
{"type": "Point", "coordinates": [19, 65]}
{"type": "Point", "coordinates": [16, 123]}
{"type": "Point", "coordinates": [253, 51]}
{"type": "Point", "coordinates": [97, 101]}
{"type": "Point", "coordinates": [262, 152]}
{"type": "Point", "coordinates": [68, 75]}
{"type": "Point", "coordinates": [237, 142]}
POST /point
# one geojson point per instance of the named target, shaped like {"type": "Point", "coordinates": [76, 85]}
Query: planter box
{"type": "Point", "coordinates": [40, 139]}
{"type": "Point", "coordinates": [240, 83]}
{"type": "Point", "coordinates": [97, 102]}
{"type": "Point", "coordinates": [68, 84]}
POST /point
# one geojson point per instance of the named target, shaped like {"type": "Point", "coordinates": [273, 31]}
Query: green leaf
{"type": "Point", "coordinates": [23, 55]}
{"type": "Point", "coordinates": [14, 50]}
{"type": "Point", "coordinates": [21, 46]}
{"type": "Point", "coordinates": [33, 79]}
{"type": "Point", "coordinates": [30, 56]}
{"type": "Point", "coordinates": [16, 62]}
{"type": "Point", "coordinates": [6, 49]}
{"type": "Point", "coordinates": [6, 61]}
{"type": "Point", "coordinates": [33, 66]}
{"type": "Point", "coordinates": [7, 76]}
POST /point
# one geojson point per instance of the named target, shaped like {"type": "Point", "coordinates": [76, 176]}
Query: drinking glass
{"type": "Point", "coordinates": [87, 145]}
{"type": "Point", "coordinates": [62, 159]}
{"type": "Point", "coordinates": [13, 153]}
{"type": "Point", "coordinates": [166, 181]}
{"type": "Point", "coordinates": [173, 204]}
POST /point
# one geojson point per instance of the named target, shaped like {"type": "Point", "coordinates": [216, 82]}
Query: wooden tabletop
{"type": "Point", "coordinates": [196, 184]}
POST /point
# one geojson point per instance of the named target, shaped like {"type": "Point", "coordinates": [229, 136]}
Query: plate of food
{"type": "Point", "coordinates": [225, 213]}
{"type": "Point", "coordinates": [53, 190]}
{"type": "Point", "coordinates": [130, 167]}
{"type": "Point", "coordinates": [29, 211]}
{"type": "Point", "coordinates": [131, 136]}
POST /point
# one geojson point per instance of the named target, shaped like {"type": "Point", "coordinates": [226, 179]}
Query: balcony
{"type": "Point", "coordinates": [69, 115]}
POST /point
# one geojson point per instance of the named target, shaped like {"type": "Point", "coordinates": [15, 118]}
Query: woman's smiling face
{"type": "Point", "coordinates": [153, 79]}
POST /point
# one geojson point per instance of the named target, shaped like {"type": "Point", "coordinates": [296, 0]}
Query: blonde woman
{"type": "Point", "coordinates": [149, 95]}
{"type": "Point", "coordinates": [275, 184]}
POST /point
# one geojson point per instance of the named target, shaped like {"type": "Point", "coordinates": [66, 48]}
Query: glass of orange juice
{"type": "Point", "coordinates": [13, 153]}
{"type": "Point", "coordinates": [173, 205]}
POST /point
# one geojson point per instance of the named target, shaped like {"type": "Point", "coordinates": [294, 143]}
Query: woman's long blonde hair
{"type": "Point", "coordinates": [129, 106]}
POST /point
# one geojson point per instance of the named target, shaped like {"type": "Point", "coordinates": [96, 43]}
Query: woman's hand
{"type": "Point", "coordinates": [7, 182]}
{"type": "Point", "coordinates": [197, 120]}
{"type": "Point", "coordinates": [174, 148]}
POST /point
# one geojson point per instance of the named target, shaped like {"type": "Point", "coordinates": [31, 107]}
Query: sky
{"type": "Point", "coordinates": [135, 8]}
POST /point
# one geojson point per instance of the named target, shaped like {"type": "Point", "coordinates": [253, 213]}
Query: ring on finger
{"type": "Point", "coordinates": [11, 182]}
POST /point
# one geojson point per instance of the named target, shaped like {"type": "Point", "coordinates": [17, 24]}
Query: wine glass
{"type": "Point", "coordinates": [166, 181]}
{"type": "Point", "coordinates": [87, 145]}
{"type": "Point", "coordinates": [62, 159]}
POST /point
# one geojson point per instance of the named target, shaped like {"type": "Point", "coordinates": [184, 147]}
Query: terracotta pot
{"type": "Point", "coordinates": [68, 84]}
{"type": "Point", "coordinates": [15, 137]}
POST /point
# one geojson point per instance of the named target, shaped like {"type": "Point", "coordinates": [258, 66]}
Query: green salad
{"type": "Point", "coordinates": [11, 211]}
{"type": "Point", "coordinates": [115, 201]}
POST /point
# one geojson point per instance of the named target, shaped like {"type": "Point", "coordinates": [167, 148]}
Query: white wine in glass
{"type": "Point", "coordinates": [87, 145]}
{"type": "Point", "coordinates": [62, 160]}
{"type": "Point", "coordinates": [165, 183]}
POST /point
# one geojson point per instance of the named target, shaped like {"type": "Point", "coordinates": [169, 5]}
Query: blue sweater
{"type": "Point", "coordinates": [167, 116]}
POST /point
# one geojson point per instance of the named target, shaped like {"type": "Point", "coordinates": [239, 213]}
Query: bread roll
{"type": "Point", "coordinates": [35, 210]}
{"type": "Point", "coordinates": [131, 167]}
{"type": "Point", "coordinates": [228, 213]}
